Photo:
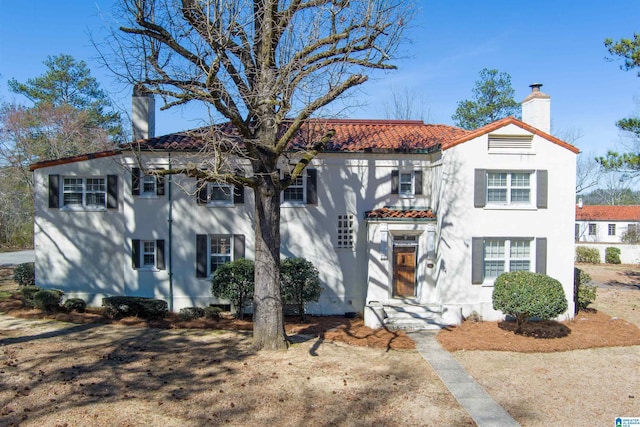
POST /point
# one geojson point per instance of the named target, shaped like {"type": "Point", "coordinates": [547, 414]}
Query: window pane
{"type": "Point", "coordinates": [493, 269]}
{"type": "Point", "coordinates": [520, 196]}
{"type": "Point", "coordinates": [519, 179]}
{"type": "Point", "coordinates": [149, 184]}
{"type": "Point", "coordinates": [494, 249]}
{"type": "Point", "coordinates": [497, 195]}
{"type": "Point", "coordinates": [96, 199]}
{"type": "Point", "coordinates": [519, 266]}
{"type": "Point", "coordinates": [497, 179]}
{"type": "Point", "coordinates": [520, 249]}
{"type": "Point", "coordinates": [294, 194]}
{"type": "Point", "coordinates": [221, 193]}
{"type": "Point", "coordinates": [220, 252]}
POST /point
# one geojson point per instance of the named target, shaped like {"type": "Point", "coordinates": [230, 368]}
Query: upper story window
{"type": "Point", "coordinates": [219, 194]}
{"type": "Point", "coordinates": [146, 185]}
{"type": "Point", "coordinates": [147, 254]}
{"type": "Point", "coordinates": [406, 183]}
{"type": "Point", "coordinates": [509, 187]}
{"type": "Point", "coordinates": [302, 191]}
{"type": "Point", "coordinates": [84, 192]}
{"type": "Point", "coordinates": [526, 189]}
{"type": "Point", "coordinates": [611, 229]}
{"type": "Point", "coordinates": [593, 229]}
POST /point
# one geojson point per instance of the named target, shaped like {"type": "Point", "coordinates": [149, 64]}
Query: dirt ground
{"type": "Point", "coordinates": [135, 375]}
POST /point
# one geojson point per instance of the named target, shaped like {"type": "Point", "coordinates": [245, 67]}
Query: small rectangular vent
{"type": "Point", "coordinates": [346, 228]}
{"type": "Point", "coordinates": [510, 143]}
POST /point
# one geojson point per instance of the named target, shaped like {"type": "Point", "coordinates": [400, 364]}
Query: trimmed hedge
{"type": "Point", "coordinates": [27, 294]}
{"type": "Point", "coordinates": [24, 274]}
{"type": "Point", "coordinates": [75, 304]}
{"type": "Point", "coordinates": [612, 255]}
{"type": "Point", "coordinates": [212, 313]}
{"type": "Point", "coordinates": [190, 313]}
{"type": "Point", "coordinates": [587, 255]}
{"type": "Point", "coordinates": [586, 293]}
{"type": "Point", "coordinates": [523, 294]}
{"type": "Point", "coordinates": [145, 308]}
{"type": "Point", "coordinates": [47, 299]}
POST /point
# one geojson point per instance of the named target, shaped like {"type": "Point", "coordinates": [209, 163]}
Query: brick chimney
{"type": "Point", "coordinates": [143, 113]}
{"type": "Point", "coordinates": [536, 109]}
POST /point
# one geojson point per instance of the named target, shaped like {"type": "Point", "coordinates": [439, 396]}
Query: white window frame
{"type": "Point", "coordinates": [84, 183]}
{"type": "Point", "coordinates": [300, 185]}
{"type": "Point", "coordinates": [509, 188]}
{"type": "Point", "coordinates": [228, 253]}
{"type": "Point", "coordinates": [507, 257]}
{"type": "Point", "coordinates": [148, 248]}
{"type": "Point", "coordinates": [611, 229]}
{"type": "Point", "coordinates": [410, 181]}
{"type": "Point", "coordinates": [148, 179]}
{"type": "Point", "coordinates": [226, 188]}
{"type": "Point", "coordinates": [592, 229]}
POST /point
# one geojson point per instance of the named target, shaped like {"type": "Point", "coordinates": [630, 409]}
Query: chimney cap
{"type": "Point", "coordinates": [535, 87]}
{"type": "Point", "coordinates": [536, 93]}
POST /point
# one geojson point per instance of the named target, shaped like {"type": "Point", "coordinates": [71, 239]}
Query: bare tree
{"type": "Point", "coordinates": [406, 105]}
{"type": "Point", "coordinates": [265, 66]}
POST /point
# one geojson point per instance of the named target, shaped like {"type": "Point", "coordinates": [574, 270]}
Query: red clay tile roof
{"type": "Point", "coordinates": [608, 213]}
{"type": "Point", "coordinates": [390, 213]}
{"type": "Point", "coordinates": [351, 135]}
{"type": "Point", "coordinates": [504, 122]}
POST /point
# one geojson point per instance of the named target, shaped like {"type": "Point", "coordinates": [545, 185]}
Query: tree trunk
{"type": "Point", "coordinates": [268, 322]}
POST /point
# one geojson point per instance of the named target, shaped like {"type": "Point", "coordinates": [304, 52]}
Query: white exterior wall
{"type": "Point", "coordinates": [602, 231]}
{"type": "Point", "coordinates": [459, 221]}
{"type": "Point", "coordinates": [629, 254]}
{"type": "Point", "coordinates": [71, 245]}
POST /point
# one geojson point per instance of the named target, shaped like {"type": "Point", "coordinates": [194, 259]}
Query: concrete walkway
{"type": "Point", "coordinates": [477, 402]}
{"type": "Point", "coordinates": [15, 258]}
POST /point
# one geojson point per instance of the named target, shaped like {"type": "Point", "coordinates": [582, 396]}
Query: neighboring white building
{"type": "Point", "coordinates": [405, 221]}
{"type": "Point", "coordinates": [606, 224]}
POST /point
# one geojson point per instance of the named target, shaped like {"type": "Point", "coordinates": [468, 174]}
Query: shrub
{"type": "Point", "coordinates": [212, 313]}
{"type": "Point", "coordinates": [612, 255]}
{"type": "Point", "coordinates": [24, 274]}
{"type": "Point", "coordinates": [190, 313]}
{"type": "Point", "coordinates": [588, 255]}
{"type": "Point", "coordinates": [145, 308]}
{"type": "Point", "coordinates": [27, 294]}
{"type": "Point", "coordinates": [234, 281]}
{"type": "Point", "coordinates": [523, 294]}
{"type": "Point", "coordinates": [586, 293]}
{"type": "Point", "coordinates": [299, 283]}
{"type": "Point", "coordinates": [75, 304]}
{"type": "Point", "coordinates": [47, 299]}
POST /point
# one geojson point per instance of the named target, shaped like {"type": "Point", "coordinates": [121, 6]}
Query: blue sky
{"type": "Point", "coordinates": [558, 43]}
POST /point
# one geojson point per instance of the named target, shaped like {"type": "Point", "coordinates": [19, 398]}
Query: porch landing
{"type": "Point", "coordinates": [413, 317]}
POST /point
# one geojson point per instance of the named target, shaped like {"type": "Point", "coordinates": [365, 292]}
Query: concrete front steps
{"type": "Point", "coordinates": [413, 317]}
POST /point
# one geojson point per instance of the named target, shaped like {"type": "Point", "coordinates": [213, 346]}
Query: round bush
{"type": "Point", "coordinates": [24, 274]}
{"type": "Point", "coordinates": [27, 294]}
{"type": "Point", "coordinates": [190, 313]}
{"type": "Point", "coordinates": [75, 304]}
{"type": "Point", "coordinates": [299, 283]}
{"type": "Point", "coordinates": [47, 299]}
{"type": "Point", "coordinates": [212, 313]}
{"type": "Point", "coordinates": [523, 294]}
{"type": "Point", "coordinates": [234, 281]}
{"type": "Point", "coordinates": [612, 255]}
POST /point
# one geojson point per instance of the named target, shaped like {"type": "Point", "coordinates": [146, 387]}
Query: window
{"type": "Point", "coordinates": [219, 252]}
{"type": "Point", "coordinates": [220, 194]}
{"type": "Point", "coordinates": [84, 192]}
{"type": "Point", "coordinates": [611, 229]}
{"type": "Point", "coordinates": [296, 191]}
{"type": "Point", "coordinates": [593, 229]}
{"type": "Point", "coordinates": [214, 250]}
{"type": "Point", "coordinates": [303, 191]}
{"type": "Point", "coordinates": [508, 188]}
{"type": "Point", "coordinates": [147, 254]}
{"type": "Point", "coordinates": [345, 231]}
{"type": "Point", "coordinates": [520, 189]}
{"type": "Point", "coordinates": [146, 185]}
{"type": "Point", "coordinates": [493, 256]}
{"type": "Point", "coordinates": [406, 184]}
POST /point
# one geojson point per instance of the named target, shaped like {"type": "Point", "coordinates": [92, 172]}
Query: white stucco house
{"type": "Point", "coordinates": [603, 226]}
{"type": "Point", "coordinates": [406, 222]}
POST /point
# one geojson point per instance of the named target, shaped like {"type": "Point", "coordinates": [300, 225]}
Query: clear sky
{"type": "Point", "coordinates": [555, 42]}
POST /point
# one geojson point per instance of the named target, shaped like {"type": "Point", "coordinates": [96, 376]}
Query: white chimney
{"type": "Point", "coordinates": [580, 203]}
{"type": "Point", "coordinates": [143, 113]}
{"type": "Point", "coordinates": [536, 109]}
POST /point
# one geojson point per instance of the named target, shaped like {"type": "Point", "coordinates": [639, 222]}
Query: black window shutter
{"type": "Point", "coordinates": [160, 185]}
{"type": "Point", "coordinates": [112, 191]}
{"type": "Point", "coordinates": [395, 181]}
{"type": "Point", "coordinates": [238, 246]}
{"type": "Point", "coordinates": [135, 181]}
{"type": "Point", "coordinates": [54, 191]}
{"type": "Point", "coordinates": [477, 260]}
{"type": "Point", "coordinates": [541, 255]}
{"type": "Point", "coordinates": [542, 189]}
{"type": "Point", "coordinates": [201, 255]}
{"type": "Point", "coordinates": [135, 253]}
{"type": "Point", "coordinates": [418, 181]}
{"type": "Point", "coordinates": [238, 194]}
{"type": "Point", "coordinates": [160, 255]}
{"type": "Point", "coordinates": [312, 187]}
{"type": "Point", "coordinates": [480, 188]}
{"type": "Point", "coordinates": [201, 196]}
